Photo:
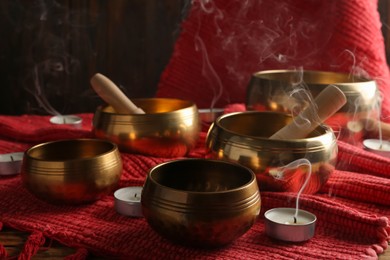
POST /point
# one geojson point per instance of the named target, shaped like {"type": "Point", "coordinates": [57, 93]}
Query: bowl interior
{"type": "Point", "coordinates": [201, 176]}
{"type": "Point", "coordinates": [70, 150]}
{"type": "Point", "coordinates": [156, 105]}
{"type": "Point", "coordinates": [259, 124]}
{"type": "Point", "coordinates": [310, 77]}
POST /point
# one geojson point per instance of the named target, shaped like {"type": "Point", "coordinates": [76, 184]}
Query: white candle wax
{"type": "Point", "coordinates": [11, 163]}
{"type": "Point", "coordinates": [208, 115]}
{"type": "Point", "coordinates": [280, 224]}
{"type": "Point", "coordinates": [66, 120]}
{"type": "Point", "coordinates": [128, 201]}
{"type": "Point", "coordinates": [286, 216]}
{"type": "Point", "coordinates": [381, 147]}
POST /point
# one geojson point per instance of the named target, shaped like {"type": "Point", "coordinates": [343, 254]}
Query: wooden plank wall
{"type": "Point", "coordinates": [50, 49]}
{"type": "Point", "coordinates": [384, 11]}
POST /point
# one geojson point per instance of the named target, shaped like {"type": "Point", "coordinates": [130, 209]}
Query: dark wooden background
{"type": "Point", "coordinates": [384, 11]}
{"type": "Point", "coordinates": [49, 49]}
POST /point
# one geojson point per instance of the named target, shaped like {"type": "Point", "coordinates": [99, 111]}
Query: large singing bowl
{"type": "Point", "coordinates": [291, 91]}
{"type": "Point", "coordinates": [243, 138]}
{"type": "Point", "coordinates": [200, 202]}
{"type": "Point", "coordinates": [169, 128]}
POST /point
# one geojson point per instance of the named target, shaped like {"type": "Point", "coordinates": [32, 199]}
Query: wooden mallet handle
{"type": "Point", "coordinates": [328, 102]}
{"type": "Point", "coordinates": [113, 96]}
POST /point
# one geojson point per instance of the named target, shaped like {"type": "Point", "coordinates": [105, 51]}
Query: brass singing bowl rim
{"type": "Point", "coordinates": [361, 92]}
{"type": "Point", "coordinates": [242, 191]}
{"type": "Point", "coordinates": [325, 135]}
{"type": "Point", "coordinates": [154, 171]}
{"type": "Point", "coordinates": [169, 110]}
{"type": "Point", "coordinates": [70, 165]}
{"type": "Point", "coordinates": [317, 77]}
{"type": "Point", "coordinates": [172, 107]}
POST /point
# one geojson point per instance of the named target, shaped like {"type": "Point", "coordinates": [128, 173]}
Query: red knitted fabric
{"type": "Point", "coordinates": [352, 211]}
{"type": "Point", "coordinates": [39, 129]}
{"type": "Point", "coordinates": [222, 44]}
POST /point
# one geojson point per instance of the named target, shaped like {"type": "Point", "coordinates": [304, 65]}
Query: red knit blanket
{"type": "Point", "coordinates": [352, 209]}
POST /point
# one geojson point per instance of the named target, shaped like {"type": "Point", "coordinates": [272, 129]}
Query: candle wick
{"type": "Point", "coordinates": [64, 120]}
{"type": "Point", "coordinates": [12, 158]}
{"type": "Point", "coordinates": [295, 220]}
{"type": "Point", "coordinates": [135, 195]}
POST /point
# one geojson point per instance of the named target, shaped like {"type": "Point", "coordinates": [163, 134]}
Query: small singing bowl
{"type": "Point", "coordinates": [169, 128]}
{"type": "Point", "coordinates": [72, 171]}
{"type": "Point", "coordinates": [200, 202]}
{"type": "Point", "coordinates": [286, 91]}
{"type": "Point", "coordinates": [242, 137]}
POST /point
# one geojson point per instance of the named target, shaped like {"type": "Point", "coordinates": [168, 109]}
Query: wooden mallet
{"type": "Point", "coordinates": [113, 96]}
{"type": "Point", "coordinates": [328, 102]}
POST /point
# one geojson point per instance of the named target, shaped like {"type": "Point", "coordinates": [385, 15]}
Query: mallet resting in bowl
{"type": "Point", "coordinates": [328, 102]}
{"type": "Point", "coordinates": [111, 94]}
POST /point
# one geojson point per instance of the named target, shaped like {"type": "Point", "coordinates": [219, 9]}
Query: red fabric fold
{"type": "Point", "coordinates": [40, 129]}
{"type": "Point", "coordinates": [353, 158]}
{"type": "Point", "coordinates": [352, 211]}
{"type": "Point", "coordinates": [221, 45]}
{"type": "Point", "coordinates": [357, 187]}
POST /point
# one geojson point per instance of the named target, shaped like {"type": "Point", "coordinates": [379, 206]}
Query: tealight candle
{"type": "Point", "coordinates": [283, 224]}
{"type": "Point", "coordinates": [66, 120]}
{"type": "Point", "coordinates": [377, 146]}
{"type": "Point", "coordinates": [208, 115]}
{"type": "Point", "coordinates": [128, 201]}
{"type": "Point", "coordinates": [10, 163]}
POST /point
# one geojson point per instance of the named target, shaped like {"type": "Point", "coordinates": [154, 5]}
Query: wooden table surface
{"type": "Point", "coordinates": [13, 241]}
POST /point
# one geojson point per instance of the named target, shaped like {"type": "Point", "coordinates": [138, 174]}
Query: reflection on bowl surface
{"type": "Point", "coordinates": [72, 171]}
{"type": "Point", "coordinates": [200, 202]}
{"type": "Point", "coordinates": [170, 127]}
{"type": "Point", "coordinates": [243, 138]}
{"type": "Point", "coordinates": [289, 91]}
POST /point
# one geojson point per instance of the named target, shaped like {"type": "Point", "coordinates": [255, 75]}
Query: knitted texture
{"type": "Point", "coordinates": [221, 45]}
{"type": "Point", "coordinates": [39, 129]}
{"type": "Point", "coordinates": [352, 212]}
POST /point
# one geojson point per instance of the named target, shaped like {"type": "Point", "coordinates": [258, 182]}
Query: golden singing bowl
{"type": "Point", "coordinates": [72, 171]}
{"type": "Point", "coordinates": [169, 127]}
{"type": "Point", "coordinates": [286, 91]}
{"type": "Point", "coordinates": [200, 202]}
{"type": "Point", "coordinates": [243, 138]}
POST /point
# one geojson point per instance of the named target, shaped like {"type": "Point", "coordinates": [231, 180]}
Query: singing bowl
{"type": "Point", "coordinates": [169, 127]}
{"type": "Point", "coordinates": [242, 137]}
{"type": "Point", "coordinates": [72, 171]}
{"type": "Point", "coordinates": [200, 202]}
{"type": "Point", "coordinates": [276, 90]}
